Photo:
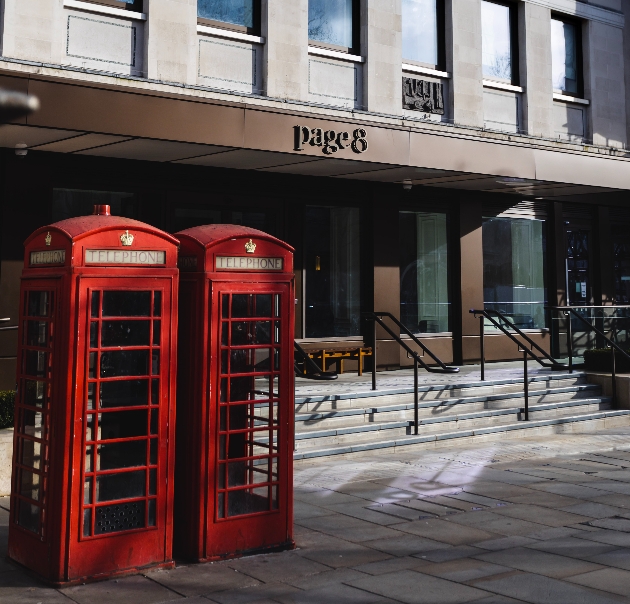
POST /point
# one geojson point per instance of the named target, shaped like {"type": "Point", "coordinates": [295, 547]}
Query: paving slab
{"type": "Point", "coordinates": [406, 545]}
{"type": "Point", "coordinates": [573, 547]}
{"type": "Point", "coordinates": [272, 567]}
{"type": "Point", "coordinates": [614, 580]}
{"type": "Point", "coordinates": [536, 589]}
{"type": "Point", "coordinates": [618, 558]}
{"type": "Point", "coordinates": [351, 529]}
{"type": "Point", "coordinates": [446, 531]}
{"type": "Point", "coordinates": [138, 589]}
{"type": "Point", "coordinates": [464, 570]}
{"type": "Point", "coordinates": [268, 592]}
{"type": "Point", "coordinates": [392, 565]}
{"type": "Point", "coordinates": [606, 536]}
{"type": "Point", "coordinates": [412, 587]}
{"type": "Point", "coordinates": [542, 563]}
{"type": "Point", "coordinates": [547, 500]}
{"type": "Point", "coordinates": [593, 510]}
{"type": "Point", "coordinates": [497, 523]}
{"type": "Point", "coordinates": [333, 594]}
{"type": "Point", "coordinates": [541, 515]}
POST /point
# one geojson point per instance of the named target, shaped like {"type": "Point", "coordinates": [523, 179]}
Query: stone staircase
{"type": "Point", "coordinates": [349, 421]}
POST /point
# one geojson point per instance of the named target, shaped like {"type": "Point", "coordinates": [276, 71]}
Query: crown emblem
{"type": "Point", "coordinates": [126, 238]}
{"type": "Point", "coordinates": [48, 239]}
{"type": "Point", "coordinates": [250, 247]}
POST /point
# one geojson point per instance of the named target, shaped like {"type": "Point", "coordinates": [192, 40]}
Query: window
{"type": "Point", "coordinates": [69, 203]}
{"type": "Point", "coordinates": [422, 29]}
{"type": "Point", "coordinates": [234, 14]}
{"type": "Point", "coordinates": [333, 23]}
{"type": "Point", "coordinates": [134, 5]}
{"type": "Point", "coordinates": [424, 285]}
{"type": "Point", "coordinates": [566, 57]}
{"type": "Point", "coordinates": [514, 269]}
{"type": "Point", "coordinates": [332, 272]}
{"type": "Point", "coordinates": [498, 33]}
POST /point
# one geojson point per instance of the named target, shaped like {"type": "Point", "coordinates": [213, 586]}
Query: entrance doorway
{"type": "Point", "coordinates": [578, 266]}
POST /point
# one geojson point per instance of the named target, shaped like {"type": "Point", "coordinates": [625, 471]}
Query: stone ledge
{"type": "Point", "coordinates": [6, 455]}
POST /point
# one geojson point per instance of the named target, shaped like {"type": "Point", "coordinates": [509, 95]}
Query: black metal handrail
{"type": "Point", "coordinates": [483, 314]}
{"type": "Point", "coordinates": [376, 317]}
{"type": "Point", "coordinates": [567, 310]}
{"type": "Point", "coordinates": [311, 371]}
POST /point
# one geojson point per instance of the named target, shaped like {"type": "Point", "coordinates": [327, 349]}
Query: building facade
{"type": "Point", "coordinates": [424, 157]}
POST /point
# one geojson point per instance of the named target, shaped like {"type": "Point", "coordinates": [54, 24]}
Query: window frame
{"type": "Point", "coordinates": [514, 44]}
{"type": "Point", "coordinates": [577, 23]}
{"type": "Point", "coordinates": [252, 31]}
{"type": "Point", "coordinates": [355, 49]}
{"type": "Point", "coordinates": [440, 7]}
{"type": "Point", "coordinates": [136, 6]}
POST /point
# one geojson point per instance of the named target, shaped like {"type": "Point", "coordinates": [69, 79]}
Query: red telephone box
{"type": "Point", "coordinates": [235, 390]}
{"type": "Point", "coordinates": [93, 458]}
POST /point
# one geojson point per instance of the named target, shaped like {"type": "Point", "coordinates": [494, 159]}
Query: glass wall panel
{"type": "Point", "coordinates": [420, 31]}
{"type": "Point", "coordinates": [564, 56]}
{"type": "Point", "coordinates": [69, 203]}
{"type": "Point", "coordinates": [496, 41]}
{"type": "Point", "coordinates": [330, 21]}
{"type": "Point", "coordinates": [237, 12]}
{"type": "Point", "coordinates": [514, 270]}
{"type": "Point", "coordinates": [332, 272]}
{"type": "Point", "coordinates": [424, 292]}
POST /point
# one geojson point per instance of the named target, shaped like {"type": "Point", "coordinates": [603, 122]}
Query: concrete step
{"type": "Point", "coordinates": [571, 423]}
{"type": "Point", "coordinates": [387, 411]}
{"type": "Point", "coordinates": [314, 438]}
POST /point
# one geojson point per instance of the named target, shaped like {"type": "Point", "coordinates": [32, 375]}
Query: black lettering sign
{"type": "Point", "coordinates": [330, 141]}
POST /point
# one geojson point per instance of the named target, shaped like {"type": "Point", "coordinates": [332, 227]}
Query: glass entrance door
{"type": "Point", "coordinates": [578, 277]}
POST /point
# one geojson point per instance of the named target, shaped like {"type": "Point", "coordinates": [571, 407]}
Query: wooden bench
{"type": "Point", "coordinates": [340, 354]}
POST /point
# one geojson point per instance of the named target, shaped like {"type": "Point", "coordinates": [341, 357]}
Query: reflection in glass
{"type": "Point", "coordinates": [36, 333]}
{"type": "Point", "coordinates": [36, 362]}
{"type": "Point", "coordinates": [330, 21]}
{"type": "Point", "coordinates": [31, 454]}
{"type": "Point", "coordinates": [110, 487]}
{"type": "Point", "coordinates": [126, 304]}
{"type": "Point", "coordinates": [124, 393]}
{"type": "Point", "coordinates": [496, 44]}
{"type": "Point", "coordinates": [332, 256]}
{"type": "Point", "coordinates": [514, 270]}
{"type": "Point", "coordinates": [237, 12]}
{"type": "Point", "coordinates": [34, 393]}
{"type": "Point", "coordinates": [121, 455]}
{"type": "Point", "coordinates": [564, 56]}
{"type": "Point", "coordinates": [424, 292]}
{"type": "Point", "coordinates": [29, 485]}
{"type": "Point", "coordinates": [38, 304]}
{"type": "Point", "coordinates": [420, 31]}
{"type": "Point", "coordinates": [122, 424]}
{"type": "Point", "coordinates": [28, 516]}
{"type": "Point", "coordinates": [96, 303]}
{"type": "Point", "coordinates": [31, 423]}
{"type": "Point", "coordinates": [125, 333]}
{"type": "Point", "coordinates": [124, 362]}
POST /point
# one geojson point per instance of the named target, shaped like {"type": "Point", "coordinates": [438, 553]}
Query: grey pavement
{"type": "Point", "coordinates": [538, 520]}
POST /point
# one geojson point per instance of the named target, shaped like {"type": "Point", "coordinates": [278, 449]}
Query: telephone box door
{"type": "Point", "coordinates": [253, 419]}
{"type": "Point", "coordinates": [122, 419]}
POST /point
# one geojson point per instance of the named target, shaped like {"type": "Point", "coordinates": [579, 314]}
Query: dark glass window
{"type": "Point", "coordinates": [424, 288]}
{"type": "Point", "coordinates": [514, 270]}
{"type": "Point", "coordinates": [333, 23]}
{"type": "Point", "coordinates": [498, 41]}
{"type": "Point", "coordinates": [566, 56]}
{"type": "Point", "coordinates": [69, 203]}
{"type": "Point", "coordinates": [332, 261]}
{"type": "Point", "coordinates": [239, 13]}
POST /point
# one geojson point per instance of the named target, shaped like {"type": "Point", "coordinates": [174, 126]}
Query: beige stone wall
{"type": "Point", "coordinates": [535, 68]}
{"type": "Point", "coordinates": [463, 54]}
{"type": "Point", "coordinates": [604, 83]}
{"type": "Point", "coordinates": [171, 40]}
{"type": "Point", "coordinates": [285, 28]}
{"type": "Point", "coordinates": [381, 45]}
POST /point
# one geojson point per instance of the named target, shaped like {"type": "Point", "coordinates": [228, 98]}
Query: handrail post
{"type": "Point", "coordinates": [569, 341]}
{"type": "Point", "coordinates": [526, 385]}
{"type": "Point", "coordinates": [415, 395]}
{"type": "Point", "coordinates": [614, 377]}
{"type": "Point", "coordinates": [374, 356]}
{"type": "Point", "coordinates": [482, 347]}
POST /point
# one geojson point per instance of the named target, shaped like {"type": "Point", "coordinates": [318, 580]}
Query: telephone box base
{"type": "Point", "coordinates": [94, 578]}
{"type": "Point", "coordinates": [257, 551]}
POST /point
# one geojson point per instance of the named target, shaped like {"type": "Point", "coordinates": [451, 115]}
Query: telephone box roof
{"type": "Point", "coordinates": [82, 226]}
{"type": "Point", "coordinates": [212, 234]}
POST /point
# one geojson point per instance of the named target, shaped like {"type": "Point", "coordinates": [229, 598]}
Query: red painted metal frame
{"type": "Point", "coordinates": [199, 533]}
{"type": "Point", "coordinates": [60, 554]}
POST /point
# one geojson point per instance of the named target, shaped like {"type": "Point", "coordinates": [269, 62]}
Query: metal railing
{"type": "Point", "coordinates": [507, 327]}
{"type": "Point", "coordinates": [377, 318]}
{"type": "Point", "coordinates": [309, 368]}
{"type": "Point", "coordinates": [569, 312]}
